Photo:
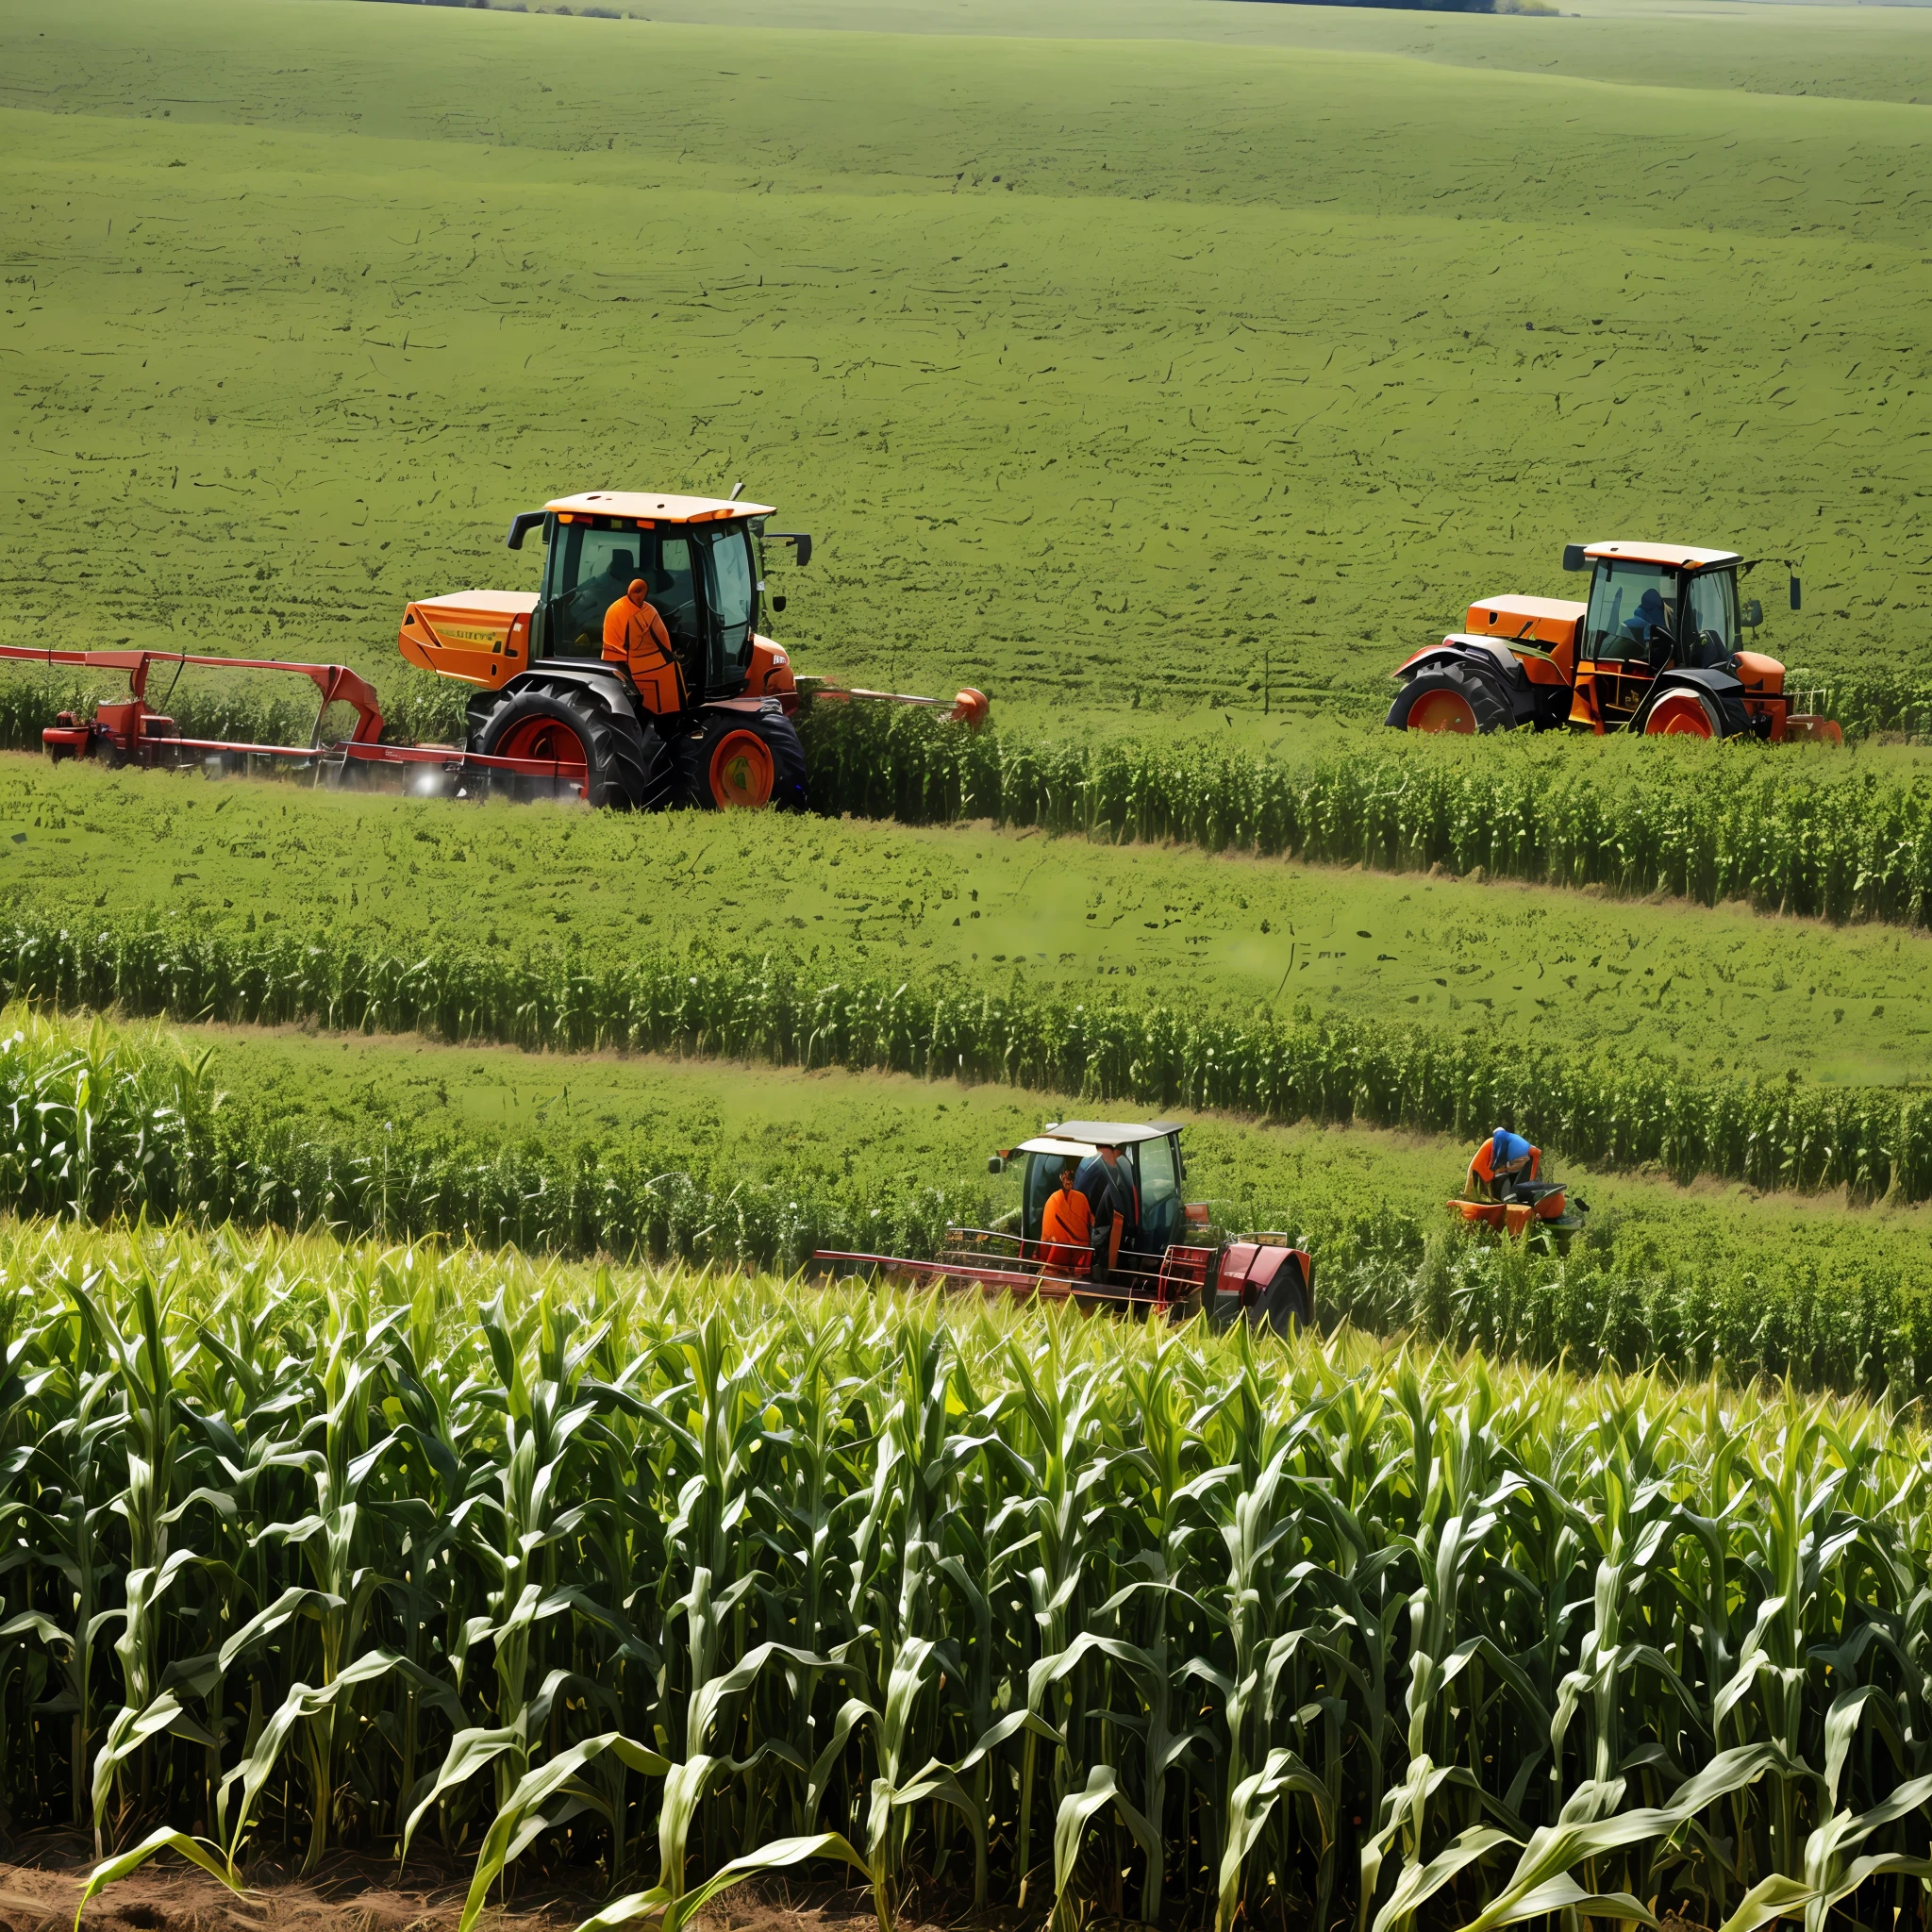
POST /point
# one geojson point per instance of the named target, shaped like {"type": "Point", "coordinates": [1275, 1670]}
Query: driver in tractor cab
{"type": "Point", "coordinates": [1116, 1207]}
{"type": "Point", "coordinates": [1066, 1227]}
{"type": "Point", "coordinates": [590, 602]}
{"type": "Point", "coordinates": [1499, 1161]}
{"type": "Point", "coordinates": [635, 638]}
{"type": "Point", "coordinates": [1649, 624]}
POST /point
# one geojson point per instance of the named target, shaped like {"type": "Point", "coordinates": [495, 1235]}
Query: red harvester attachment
{"type": "Point", "coordinates": [1259, 1278]}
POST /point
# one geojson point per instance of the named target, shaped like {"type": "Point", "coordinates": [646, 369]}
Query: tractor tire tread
{"type": "Point", "coordinates": [623, 769]}
{"type": "Point", "coordinates": [1491, 706]}
{"type": "Point", "coordinates": [691, 757]}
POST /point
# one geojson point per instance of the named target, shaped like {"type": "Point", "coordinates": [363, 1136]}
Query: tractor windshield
{"type": "Point", "coordinates": [1633, 611]}
{"type": "Point", "coordinates": [1158, 1162]}
{"type": "Point", "coordinates": [592, 565]}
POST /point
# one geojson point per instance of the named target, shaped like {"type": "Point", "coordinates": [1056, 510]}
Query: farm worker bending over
{"type": "Point", "coordinates": [635, 637]}
{"type": "Point", "coordinates": [1499, 1159]}
{"type": "Point", "coordinates": [1066, 1227]}
{"type": "Point", "coordinates": [1111, 1191]}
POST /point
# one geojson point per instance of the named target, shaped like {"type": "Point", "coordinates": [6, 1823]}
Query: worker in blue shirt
{"type": "Point", "coordinates": [1499, 1160]}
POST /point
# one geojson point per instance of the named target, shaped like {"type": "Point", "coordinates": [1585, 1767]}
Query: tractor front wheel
{"type": "Point", "coordinates": [741, 761]}
{"type": "Point", "coordinates": [1450, 698]}
{"type": "Point", "coordinates": [1683, 714]}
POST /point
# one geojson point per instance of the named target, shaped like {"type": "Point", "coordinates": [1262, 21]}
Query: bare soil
{"type": "Point", "coordinates": [41, 1887]}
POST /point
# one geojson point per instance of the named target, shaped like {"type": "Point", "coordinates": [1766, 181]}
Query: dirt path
{"type": "Point", "coordinates": [41, 1887]}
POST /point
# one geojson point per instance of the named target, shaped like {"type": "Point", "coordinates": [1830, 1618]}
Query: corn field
{"type": "Point", "coordinates": [1818, 834]}
{"type": "Point", "coordinates": [1823, 834]}
{"type": "Point", "coordinates": [680, 1578]}
{"type": "Point", "coordinates": [104, 1125]}
{"type": "Point", "coordinates": [1603, 1112]}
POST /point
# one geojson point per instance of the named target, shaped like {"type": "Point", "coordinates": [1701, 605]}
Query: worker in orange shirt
{"type": "Point", "coordinates": [1066, 1227]}
{"type": "Point", "coordinates": [635, 638]}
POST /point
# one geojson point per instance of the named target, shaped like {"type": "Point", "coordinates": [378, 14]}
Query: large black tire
{"type": "Point", "coordinates": [1283, 1305]}
{"type": "Point", "coordinates": [694, 755]}
{"type": "Point", "coordinates": [1488, 705]}
{"type": "Point", "coordinates": [623, 767]}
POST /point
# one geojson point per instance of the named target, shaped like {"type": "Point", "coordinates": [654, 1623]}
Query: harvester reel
{"type": "Point", "coordinates": [621, 766]}
{"type": "Point", "coordinates": [1451, 697]}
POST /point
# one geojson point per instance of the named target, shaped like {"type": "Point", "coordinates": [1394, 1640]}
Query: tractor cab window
{"type": "Point", "coordinates": [1633, 611]}
{"type": "Point", "coordinates": [1042, 1178]}
{"type": "Point", "coordinates": [1710, 601]}
{"type": "Point", "coordinates": [592, 565]}
{"type": "Point", "coordinates": [731, 593]}
{"type": "Point", "coordinates": [1160, 1190]}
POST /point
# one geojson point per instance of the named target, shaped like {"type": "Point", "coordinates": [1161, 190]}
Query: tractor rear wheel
{"type": "Point", "coordinates": [740, 760]}
{"type": "Point", "coordinates": [1450, 698]}
{"type": "Point", "coordinates": [588, 742]}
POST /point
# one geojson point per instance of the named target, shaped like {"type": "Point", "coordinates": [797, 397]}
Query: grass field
{"type": "Point", "coordinates": [1722, 988]}
{"type": "Point", "coordinates": [1103, 367]}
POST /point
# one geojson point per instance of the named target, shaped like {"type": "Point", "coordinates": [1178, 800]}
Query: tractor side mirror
{"type": "Point", "coordinates": [799, 541]}
{"type": "Point", "coordinates": [1796, 596]}
{"type": "Point", "coordinates": [996, 1163]}
{"type": "Point", "coordinates": [520, 525]}
{"type": "Point", "coordinates": [1573, 557]}
{"type": "Point", "coordinates": [1754, 614]}
{"type": "Point", "coordinates": [778, 601]}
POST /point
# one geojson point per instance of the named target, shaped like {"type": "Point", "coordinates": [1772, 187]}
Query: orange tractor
{"type": "Point", "coordinates": [718, 732]}
{"type": "Point", "coordinates": [550, 717]}
{"type": "Point", "coordinates": [1658, 648]}
{"type": "Point", "coordinates": [1174, 1265]}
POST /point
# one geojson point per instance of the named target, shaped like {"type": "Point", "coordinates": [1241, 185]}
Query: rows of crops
{"type": "Point", "coordinates": [684, 1576]}
{"type": "Point", "coordinates": [103, 1123]}
{"type": "Point", "coordinates": [1819, 833]}
{"type": "Point", "coordinates": [1606, 1111]}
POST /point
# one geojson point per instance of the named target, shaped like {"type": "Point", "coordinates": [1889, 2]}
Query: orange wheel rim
{"type": "Point", "coordinates": [1680, 716]}
{"type": "Point", "coordinates": [549, 740]}
{"type": "Point", "coordinates": [1441, 710]}
{"type": "Point", "coordinates": [742, 771]}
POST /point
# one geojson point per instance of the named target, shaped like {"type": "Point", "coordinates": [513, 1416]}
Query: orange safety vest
{"type": "Point", "coordinates": [1066, 1228]}
{"type": "Point", "coordinates": [635, 637]}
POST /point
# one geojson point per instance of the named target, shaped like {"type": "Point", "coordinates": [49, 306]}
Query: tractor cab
{"type": "Point", "coordinates": [1662, 639]}
{"type": "Point", "coordinates": [702, 560]}
{"type": "Point", "coordinates": [1151, 1154]}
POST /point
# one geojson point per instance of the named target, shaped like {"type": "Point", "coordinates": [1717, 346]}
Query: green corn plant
{"type": "Point", "coordinates": [974, 1600]}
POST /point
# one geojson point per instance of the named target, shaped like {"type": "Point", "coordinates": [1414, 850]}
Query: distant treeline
{"type": "Point", "coordinates": [1530, 6]}
{"type": "Point", "coordinates": [595, 12]}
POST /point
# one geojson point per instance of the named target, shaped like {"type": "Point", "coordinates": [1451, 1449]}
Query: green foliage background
{"type": "Point", "coordinates": [1105, 366]}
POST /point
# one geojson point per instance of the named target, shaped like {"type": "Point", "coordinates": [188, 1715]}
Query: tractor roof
{"type": "Point", "coordinates": [647, 507]}
{"type": "Point", "coordinates": [1673, 556]}
{"type": "Point", "coordinates": [1083, 1137]}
